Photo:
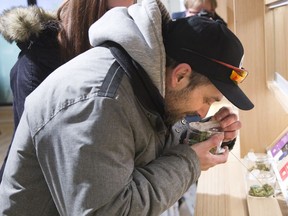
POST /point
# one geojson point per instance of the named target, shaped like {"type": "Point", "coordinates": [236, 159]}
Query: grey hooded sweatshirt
{"type": "Point", "coordinates": [87, 145]}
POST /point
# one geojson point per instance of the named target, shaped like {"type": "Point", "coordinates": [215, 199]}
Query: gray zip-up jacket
{"type": "Point", "coordinates": [87, 145]}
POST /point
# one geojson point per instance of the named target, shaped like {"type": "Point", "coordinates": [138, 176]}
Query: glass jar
{"type": "Point", "coordinates": [201, 131]}
{"type": "Point", "coordinates": [260, 178]}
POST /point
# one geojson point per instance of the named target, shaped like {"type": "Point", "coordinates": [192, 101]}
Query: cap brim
{"type": "Point", "coordinates": [234, 94]}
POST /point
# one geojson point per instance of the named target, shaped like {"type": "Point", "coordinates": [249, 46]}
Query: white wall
{"type": "Point", "coordinates": [174, 5]}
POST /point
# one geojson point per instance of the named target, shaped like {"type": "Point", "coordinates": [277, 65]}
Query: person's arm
{"type": "Point", "coordinates": [90, 163]}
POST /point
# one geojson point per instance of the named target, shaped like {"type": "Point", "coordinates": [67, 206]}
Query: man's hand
{"type": "Point", "coordinates": [229, 123]}
{"type": "Point", "coordinates": [206, 158]}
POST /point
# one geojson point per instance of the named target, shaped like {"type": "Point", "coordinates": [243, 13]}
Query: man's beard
{"type": "Point", "coordinates": [172, 110]}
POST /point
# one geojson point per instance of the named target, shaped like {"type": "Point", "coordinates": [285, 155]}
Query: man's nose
{"type": "Point", "coordinates": [203, 111]}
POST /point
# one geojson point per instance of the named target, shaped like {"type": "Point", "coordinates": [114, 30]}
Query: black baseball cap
{"type": "Point", "coordinates": [211, 49]}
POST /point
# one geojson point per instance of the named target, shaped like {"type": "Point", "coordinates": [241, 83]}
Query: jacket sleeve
{"type": "Point", "coordinates": [90, 168]}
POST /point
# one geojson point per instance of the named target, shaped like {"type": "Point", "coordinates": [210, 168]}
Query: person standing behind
{"type": "Point", "coordinates": [200, 8]}
{"type": "Point", "coordinates": [47, 41]}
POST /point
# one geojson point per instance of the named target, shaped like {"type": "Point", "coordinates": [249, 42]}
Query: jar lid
{"type": "Point", "coordinates": [258, 157]}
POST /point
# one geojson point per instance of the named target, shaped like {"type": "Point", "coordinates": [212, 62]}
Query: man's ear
{"type": "Point", "coordinates": [180, 76]}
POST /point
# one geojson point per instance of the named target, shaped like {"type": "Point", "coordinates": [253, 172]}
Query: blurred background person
{"type": "Point", "coordinates": [200, 8]}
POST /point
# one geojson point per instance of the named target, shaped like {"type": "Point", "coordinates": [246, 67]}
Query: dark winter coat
{"type": "Point", "coordinates": [35, 33]}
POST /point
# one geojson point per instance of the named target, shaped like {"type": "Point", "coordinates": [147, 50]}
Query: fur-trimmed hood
{"type": "Point", "coordinates": [19, 24]}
